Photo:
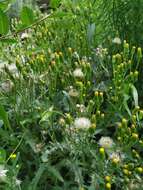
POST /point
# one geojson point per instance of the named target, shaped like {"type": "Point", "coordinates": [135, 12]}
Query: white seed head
{"type": "Point", "coordinates": [24, 35]}
{"type": "Point", "coordinates": [116, 40]}
{"type": "Point", "coordinates": [81, 108]}
{"type": "Point", "coordinates": [2, 173]}
{"type": "Point", "coordinates": [78, 73]}
{"type": "Point", "coordinates": [106, 142]}
{"type": "Point", "coordinates": [18, 182]}
{"type": "Point", "coordinates": [82, 123]}
{"type": "Point", "coordinates": [6, 86]}
{"type": "Point", "coordinates": [73, 92]}
{"type": "Point", "coordinates": [115, 155]}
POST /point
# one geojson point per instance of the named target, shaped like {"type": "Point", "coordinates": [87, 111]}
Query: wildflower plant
{"type": "Point", "coordinates": [70, 112]}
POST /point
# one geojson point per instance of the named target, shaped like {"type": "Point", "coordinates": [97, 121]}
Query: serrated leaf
{"type": "Point", "coordinates": [4, 23]}
{"type": "Point", "coordinates": [27, 16]}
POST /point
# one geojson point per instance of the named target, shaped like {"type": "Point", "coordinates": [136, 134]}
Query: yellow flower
{"type": "Point", "coordinates": [13, 156]}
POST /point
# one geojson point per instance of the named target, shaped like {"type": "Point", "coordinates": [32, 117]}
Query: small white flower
{"type": "Point", "coordinates": [24, 35]}
{"type": "Point", "coordinates": [115, 155]}
{"type": "Point", "coordinates": [6, 86]}
{"type": "Point", "coordinates": [76, 55]}
{"type": "Point", "coordinates": [18, 182]}
{"type": "Point", "coordinates": [116, 40]}
{"type": "Point", "coordinates": [78, 73]}
{"type": "Point", "coordinates": [82, 123]}
{"type": "Point", "coordinates": [134, 185]}
{"type": "Point", "coordinates": [73, 92]}
{"type": "Point", "coordinates": [81, 107]}
{"type": "Point", "coordinates": [2, 173]}
{"type": "Point", "coordinates": [106, 142]}
{"type": "Point", "coordinates": [11, 67]}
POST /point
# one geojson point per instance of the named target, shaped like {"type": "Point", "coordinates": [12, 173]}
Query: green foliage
{"type": "Point", "coordinates": [27, 16]}
{"type": "Point", "coordinates": [72, 110]}
{"type": "Point", "coordinates": [54, 3]}
{"type": "Point", "coordinates": [4, 117]}
{"type": "Point", "coordinates": [4, 23]}
{"type": "Point", "coordinates": [124, 17]}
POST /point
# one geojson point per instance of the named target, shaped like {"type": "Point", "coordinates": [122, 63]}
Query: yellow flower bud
{"type": "Point", "coordinates": [115, 161]}
{"type": "Point", "coordinates": [70, 49]}
{"type": "Point", "coordinates": [135, 136]}
{"type": "Point", "coordinates": [102, 151]}
{"type": "Point", "coordinates": [126, 172]}
{"type": "Point", "coordinates": [136, 73]}
{"type": "Point", "coordinates": [139, 170]}
{"type": "Point", "coordinates": [93, 126]}
{"type": "Point", "coordinates": [13, 156]}
{"type": "Point", "coordinates": [124, 121]}
{"type": "Point", "coordinates": [96, 93]}
{"type": "Point", "coordinates": [98, 112]}
{"type": "Point", "coordinates": [101, 94]}
{"type": "Point", "coordinates": [108, 185]}
{"type": "Point", "coordinates": [139, 53]}
{"type": "Point", "coordinates": [102, 115]}
{"type": "Point", "coordinates": [107, 178]}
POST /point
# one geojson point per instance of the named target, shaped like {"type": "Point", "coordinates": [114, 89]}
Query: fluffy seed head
{"type": "Point", "coordinates": [78, 73]}
{"type": "Point", "coordinates": [82, 123]}
{"type": "Point", "coordinates": [116, 40]}
{"type": "Point", "coordinates": [106, 142]}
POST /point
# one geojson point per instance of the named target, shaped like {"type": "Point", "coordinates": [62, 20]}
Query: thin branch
{"type": "Point", "coordinates": [26, 28]}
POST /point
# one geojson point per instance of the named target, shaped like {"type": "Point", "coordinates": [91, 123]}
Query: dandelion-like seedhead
{"type": "Point", "coordinates": [18, 182]}
{"type": "Point", "coordinates": [81, 108]}
{"type": "Point", "coordinates": [82, 123]}
{"type": "Point", "coordinates": [73, 92]}
{"type": "Point", "coordinates": [115, 155]}
{"type": "Point", "coordinates": [116, 40]}
{"type": "Point", "coordinates": [78, 73]}
{"type": "Point", "coordinates": [3, 172]}
{"type": "Point", "coordinates": [106, 142]}
{"type": "Point", "coordinates": [24, 35]}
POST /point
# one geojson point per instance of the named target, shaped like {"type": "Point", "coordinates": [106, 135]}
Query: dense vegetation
{"type": "Point", "coordinates": [71, 109]}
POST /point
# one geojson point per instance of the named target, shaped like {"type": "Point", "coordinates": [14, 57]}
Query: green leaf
{"type": "Point", "coordinates": [4, 117]}
{"type": "Point", "coordinates": [8, 40]}
{"type": "Point", "coordinates": [126, 98]}
{"type": "Point", "coordinates": [55, 3]}
{"type": "Point", "coordinates": [90, 32]}
{"type": "Point", "coordinates": [135, 94]}
{"type": "Point", "coordinates": [37, 177]}
{"type": "Point", "coordinates": [61, 14]}
{"type": "Point", "coordinates": [2, 155]}
{"type": "Point", "coordinates": [27, 16]}
{"type": "Point", "coordinates": [1, 123]}
{"type": "Point", "coordinates": [51, 171]}
{"type": "Point", "coordinates": [47, 114]}
{"type": "Point", "coordinates": [4, 23]}
{"type": "Point", "coordinates": [55, 173]}
{"type": "Point", "coordinates": [4, 4]}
